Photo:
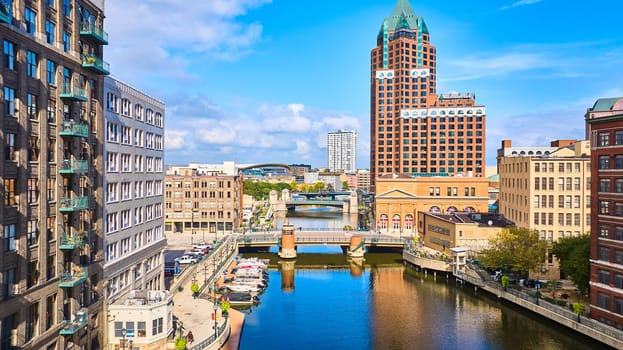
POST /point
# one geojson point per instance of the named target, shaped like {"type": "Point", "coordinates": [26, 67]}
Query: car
{"type": "Point", "coordinates": [187, 259]}
{"type": "Point", "coordinates": [201, 246]}
{"type": "Point", "coordinates": [197, 251]}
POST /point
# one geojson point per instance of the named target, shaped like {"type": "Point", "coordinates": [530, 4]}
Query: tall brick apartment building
{"type": "Point", "coordinates": [412, 128]}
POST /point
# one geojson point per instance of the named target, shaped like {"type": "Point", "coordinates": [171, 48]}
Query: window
{"type": "Point", "coordinates": [603, 300]}
{"type": "Point", "coordinates": [9, 101]}
{"type": "Point", "coordinates": [31, 106]}
{"type": "Point", "coordinates": [9, 192]}
{"type": "Point", "coordinates": [30, 18]}
{"type": "Point", "coordinates": [604, 139]}
{"type": "Point", "coordinates": [156, 326]}
{"type": "Point", "coordinates": [9, 152]}
{"type": "Point", "coordinates": [604, 162]}
{"type": "Point", "coordinates": [8, 281]}
{"type": "Point", "coordinates": [66, 8]}
{"type": "Point", "coordinates": [51, 112]}
{"type": "Point", "coordinates": [604, 185]}
{"type": "Point", "coordinates": [33, 190]}
{"type": "Point", "coordinates": [604, 207]}
{"type": "Point", "coordinates": [33, 148]}
{"type": "Point", "coordinates": [66, 41]}
{"type": "Point", "coordinates": [50, 72]}
{"type": "Point", "coordinates": [9, 238]}
{"type": "Point", "coordinates": [618, 161]}
{"type": "Point", "coordinates": [9, 55]}
{"type": "Point", "coordinates": [604, 277]}
{"type": "Point", "coordinates": [618, 137]}
{"type": "Point", "coordinates": [50, 27]}
{"type": "Point", "coordinates": [141, 329]}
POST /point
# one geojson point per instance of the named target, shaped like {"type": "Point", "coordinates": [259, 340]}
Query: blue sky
{"type": "Point", "coordinates": [264, 81]}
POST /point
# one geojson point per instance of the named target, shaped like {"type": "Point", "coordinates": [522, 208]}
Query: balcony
{"type": "Point", "coordinates": [76, 276]}
{"type": "Point", "coordinates": [72, 128]}
{"type": "Point", "coordinates": [74, 167]}
{"type": "Point", "coordinates": [6, 11]}
{"type": "Point", "coordinates": [70, 242]}
{"type": "Point", "coordinates": [79, 320]}
{"type": "Point", "coordinates": [93, 32]}
{"type": "Point", "coordinates": [74, 94]}
{"type": "Point", "coordinates": [95, 64]}
{"type": "Point", "coordinates": [74, 204]}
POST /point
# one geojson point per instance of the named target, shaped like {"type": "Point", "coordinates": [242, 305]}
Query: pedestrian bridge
{"type": "Point", "coordinates": [319, 237]}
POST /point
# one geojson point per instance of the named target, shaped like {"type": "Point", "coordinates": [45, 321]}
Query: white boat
{"type": "Point", "coordinates": [243, 288]}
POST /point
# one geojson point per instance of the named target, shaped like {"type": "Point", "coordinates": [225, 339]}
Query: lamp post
{"type": "Point", "coordinates": [123, 332]}
{"type": "Point", "coordinates": [215, 322]}
{"type": "Point", "coordinates": [205, 274]}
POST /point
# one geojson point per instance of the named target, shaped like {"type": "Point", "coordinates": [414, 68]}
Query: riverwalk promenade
{"type": "Point", "coordinates": [428, 260]}
{"type": "Point", "coordinates": [200, 313]}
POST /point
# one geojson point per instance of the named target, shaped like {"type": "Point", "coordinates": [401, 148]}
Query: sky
{"type": "Point", "coordinates": [257, 81]}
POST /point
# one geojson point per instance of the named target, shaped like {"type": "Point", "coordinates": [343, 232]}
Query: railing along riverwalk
{"type": "Point", "coordinates": [531, 301]}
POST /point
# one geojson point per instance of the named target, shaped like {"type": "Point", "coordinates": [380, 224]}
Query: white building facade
{"type": "Point", "coordinates": [134, 240]}
{"type": "Point", "coordinates": [342, 151]}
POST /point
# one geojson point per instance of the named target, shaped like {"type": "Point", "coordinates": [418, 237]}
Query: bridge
{"type": "Point", "coordinates": [355, 242]}
{"type": "Point", "coordinates": [289, 201]}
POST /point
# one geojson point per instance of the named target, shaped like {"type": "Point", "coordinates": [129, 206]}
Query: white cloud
{"type": "Point", "coordinates": [302, 149]}
{"type": "Point", "coordinates": [520, 3]}
{"type": "Point", "coordinates": [164, 38]}
{"type": "Point", "coordinates": [284, 118]}
{"type": "Point", "coordinates": [174, 139]}
{"type": "Point", "coordinates": [342, 122]}
{"type": "Point", "coordinates": [220, 133]}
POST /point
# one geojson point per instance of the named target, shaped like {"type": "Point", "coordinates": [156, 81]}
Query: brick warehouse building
{"type": "Point", "coordinates": [604, 127]}
{"type": "Point", "coordinates": [412, 128]}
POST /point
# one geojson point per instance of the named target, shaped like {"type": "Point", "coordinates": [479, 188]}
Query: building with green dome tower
{"type": "Point", "coordinates": [414, 130]}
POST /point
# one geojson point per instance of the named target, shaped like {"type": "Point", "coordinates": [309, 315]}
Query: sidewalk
{"type": "Point", "coordinates": [195, 314]}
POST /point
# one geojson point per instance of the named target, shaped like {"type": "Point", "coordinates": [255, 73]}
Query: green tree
{"type": "Point", "coordinates": [345, 186]}
{"type": "Point", "coordinates": [573, 254]}
{"type": "Point", "coordinates": [260, 190]}
{"type": "Point", "coordinates": [517, 249]}
{"type": "Point", "coordinates": [578, 308]}
{"type": "Point", "coordinates": [180, 343]}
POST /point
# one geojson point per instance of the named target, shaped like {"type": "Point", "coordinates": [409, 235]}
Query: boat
{"type": "Point", "coordinates": [243, 288]}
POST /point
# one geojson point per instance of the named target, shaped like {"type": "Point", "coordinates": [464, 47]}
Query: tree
{"type": "Point", "coordinates": [517, 249]}
{"type": "Point", "coordinates": [578, 308]}
{"type": "Point", "coordinates": [573, 254]}
{"type": "Point", "coordinates": [260, 190]}
{"type": "Point", "coordinates": [345, 186]}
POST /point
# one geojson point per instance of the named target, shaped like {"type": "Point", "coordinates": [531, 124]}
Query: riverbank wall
{"type": "Point", "coordinates": [563, 316]}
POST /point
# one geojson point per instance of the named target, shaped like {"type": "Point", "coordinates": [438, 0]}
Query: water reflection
{"type": "Point", "coordinates": [315, 217]}
{"type": "Point", "coordinates": [363, 306]}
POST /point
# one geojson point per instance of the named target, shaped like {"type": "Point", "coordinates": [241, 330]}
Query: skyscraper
{"type": "Point", "coordinates": [342, 151]}
{"type": "Point", "coordinates": [414, 130]}
{"type": "Point", "coordinates": [52, 83]}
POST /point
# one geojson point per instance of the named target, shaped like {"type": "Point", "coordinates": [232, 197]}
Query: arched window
{"type": "Point", "coordinates": [396, 222]}
{"type": "Point", "coordinates": [470, 210]}
{"type": "Point", "coordinates": [383, 222]}
{"type": "Point", "coordinates": [451, 209]}
{"type": "Point", "coordinates": [434, 209]}
{"type": "Point", "coordinates": [409, 222]}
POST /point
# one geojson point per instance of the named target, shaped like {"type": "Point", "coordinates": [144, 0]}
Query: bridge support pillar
{"type": "Point", "coordinates": [287, 250]}
{"type": "Point", "coordinates": [357, 247]}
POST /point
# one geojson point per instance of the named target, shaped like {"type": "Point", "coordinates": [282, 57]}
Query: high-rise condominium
{"type": "Point", "coordinates": [51, 120]}
{"type": "Point", "coordinates": [342, 151]}
{"type": "Point", "coordinates": [414, 130]}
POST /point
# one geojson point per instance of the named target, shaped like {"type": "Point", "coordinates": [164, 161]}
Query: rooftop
{"type": "Point", "coordinates": [403, 17]}
{"type": "Point", "coordinates": [141, 297]}
{"type": "Point", "coordinates": [608, 104]}
{"type": "Point", "coordinates": [482, 219]}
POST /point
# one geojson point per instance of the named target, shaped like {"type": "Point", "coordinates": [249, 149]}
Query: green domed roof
{"type": "Point", "coordinates": [403, 17]}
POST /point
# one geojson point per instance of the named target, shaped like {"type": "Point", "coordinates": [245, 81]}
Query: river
{"type": "Point", "coordinates": [380, 304]}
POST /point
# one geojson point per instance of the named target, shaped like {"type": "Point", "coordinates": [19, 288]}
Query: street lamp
{"type": "Point", "coordinates": [123, 332]}
{"type": "Point", "coordinates": [215, 323]}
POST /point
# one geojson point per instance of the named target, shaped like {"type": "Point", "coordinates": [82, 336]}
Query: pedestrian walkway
{"type": "Point", "coordinates": [195, 314]}
{"type": "Point", "coordinates": [236, 320]}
